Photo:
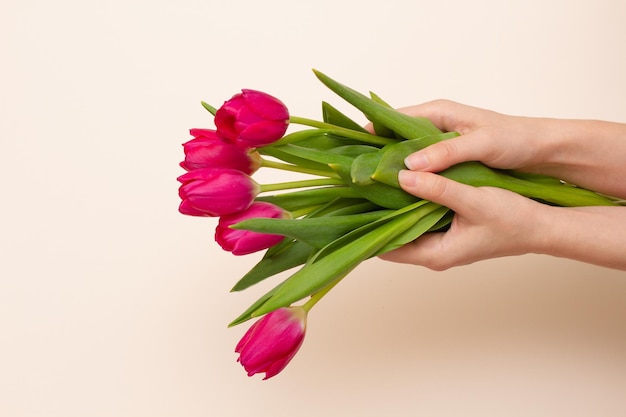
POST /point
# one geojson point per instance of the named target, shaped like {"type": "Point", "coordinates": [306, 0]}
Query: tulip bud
{"type": "Point", "coordinates": [252, 119]}
{"type": "Point", "coordinates": [243, 242]}
{"type": "Point", "coordinates": [270, 343]}
{"type": "Point", "coordinates": [207, 150]}
{"type": "Point", "coordinates": [216, 192]}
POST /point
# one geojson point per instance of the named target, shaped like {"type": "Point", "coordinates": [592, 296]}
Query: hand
{"type": "Point", "coordinates": [489, 222]}
{"type": "Point", "coordinates": [587, 153]}
{"type": "Point", "coordinates": [495, 139]}
{"type": "Point", "coordinates": [492, 222]}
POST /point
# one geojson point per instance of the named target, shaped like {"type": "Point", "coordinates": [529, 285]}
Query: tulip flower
{"type": "Point", "coordinates": [207, 150]}
{"type": "Point", "coordinates": [270, 343]}
{"type": "Point", "coordinates": [216, 192]}
{"type": "Point", "coordinates": [252, 119]}
{"type": "Point", "coordinates": [243, 242]}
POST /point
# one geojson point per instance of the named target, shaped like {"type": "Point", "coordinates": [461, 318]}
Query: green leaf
{"type": "Point", "coordinates": [378, 193]}
{"type": "Point", "coordinates": [361, 231]}
{"type": "Point", "coordinates": [315, 275]}
{"type": "Point", "coordinates": [290, 253]}
{"type": "Point", "coordinates": [291, 256]}
{"type": "Point", "coordinates": [353, 151]}
{"type": "Point", "coordinates": [536, 178]}
{"type": "Point", "coordinates": [404, 125]}
{"type": "Point", "coordinates": [209, 108]}
{"type": "Point", "coordinates": [297, 200]}
{"type": "Point", "coordinates": [363, 167]}
{"type": "Point", "coordinates": [333, 116]}
{"type": "Point", "coordinates": [479, 175]}
{"type": "Point", "coordinates": [433, 214]}
{"type": "Point", "coordinates": [247, 315]}
{"type": "Point", "coordinates": [317, 231]}
{"type": "Point", "coordinates": [316, 155]}
{"type": "Point", "coordinates": [392, 156]}
{"type": "Point", "coordinates": [382, 130]}
{"type": "Point", "coordinates": [282, 154]}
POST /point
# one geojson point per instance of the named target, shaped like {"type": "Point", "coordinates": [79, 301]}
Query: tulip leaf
{"type": "Point", "coordinates": [294, 254]}
{"type": "Point", "coordinates": [319, 138]}
{"type": "Point", "coordinates": [279, 153]}
{"type": "Point", "coordinates": [479, 175]}
{"type": "Point", "coordinates": [402, 124]}
{"type": "Point", "coordinates": [314, 276]}
{"type": "Point", "coordinates": [378, 193]}
{"type": "Point", "coordinates": [431, 220]}
{"type": "Point", "coordinates": [209, 108]}
{"type": "Point", "coordinates": [316, 231]}
{"type": "Point", "coordinates": [334, 117]}
{"type": "Point", "coordinates": [392, 156]}
{"type": "Point", "coordinates": [363, 168]}
{"type": "Point", "coordinates": [381, 130]}
{"type": "Point", "coordinates": [247, 315]}
{"type": "Point", "coordinates": [353, 151]}
{"type": "Point", "coordinates": [354, 206]}
{"type": "Point", "coordinates": [297, 200]}
{"type": "Point", "coordinates": [536, 178]}
{"type": "Point", "coordinates": [316, 155]}
{"type": "Point", "coordinates": [290, 253]}
{"type": "Point", "coordinates": [417, 208]}
{"type": "Point", "coordinates": [298, 136]}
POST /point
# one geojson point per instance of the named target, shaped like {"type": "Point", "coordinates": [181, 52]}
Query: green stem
{"type": "Point", "coordinates": [342, 131]}
{"type": "Point", "coordinates": [304, 211]}
{"type": "Point", "coordinates": [319, 295]}
{"type": "Point", "coordinates": [300, 184]}
{"type": "Point", "coordinates": [296, 168]}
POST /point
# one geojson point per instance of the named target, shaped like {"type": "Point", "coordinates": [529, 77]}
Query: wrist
{"type": "Point", "coordinates": [588, 234]}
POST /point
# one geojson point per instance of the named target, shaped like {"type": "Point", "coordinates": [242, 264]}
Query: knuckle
{"type": "Point", "coordinates": [447, 149]}
{"type": "Point", "coordinates": [442, 103]}
{"type": "Point", "coordinates": [437, 187]}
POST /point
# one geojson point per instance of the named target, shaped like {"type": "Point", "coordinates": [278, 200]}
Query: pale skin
{"type": "Point", "coordinates": [491, 222]}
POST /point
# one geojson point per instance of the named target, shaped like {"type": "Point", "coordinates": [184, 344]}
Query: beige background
{"type": "Point", "coordinates": [113, 304]}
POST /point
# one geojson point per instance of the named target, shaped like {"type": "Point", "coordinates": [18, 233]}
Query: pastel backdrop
{"type": "Point", "coordinates": [114, 304]}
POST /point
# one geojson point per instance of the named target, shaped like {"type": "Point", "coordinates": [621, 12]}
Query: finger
{"type": "Point", "coordinates": [444, 154]}
{"type": "Point", "coordinates": [443, 113]}
{"type": "Point", "coordinates": [438, 189]}
{"type": "Point", "coordinates": [428, 250]}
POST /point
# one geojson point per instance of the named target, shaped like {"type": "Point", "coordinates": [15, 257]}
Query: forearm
{"type": "Point", "coordinates": [587, 153]}
{"type": "Point", "coordinates": [595, 235]}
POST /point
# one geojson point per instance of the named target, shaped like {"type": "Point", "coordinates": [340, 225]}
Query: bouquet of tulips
{"type": "Point", "coordinates": [350, 210]}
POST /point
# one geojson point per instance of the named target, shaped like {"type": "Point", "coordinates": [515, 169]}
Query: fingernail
{"type": "Point", "coordinates": [416, 161]}
{"type": "Point", "coordinates": [405, 177]}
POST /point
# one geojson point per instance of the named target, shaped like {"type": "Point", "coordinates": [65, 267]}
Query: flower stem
{"type": "Point", "coordinates": [300, 184]}
{"type": "Point", "coordinates": [295, 168]}
{"type": "Point", "coordinates": [319, 295]}
{"type": "Point", "coordinates": [304, 211]}
{"type": "Point", "coordinates": [342, 131]}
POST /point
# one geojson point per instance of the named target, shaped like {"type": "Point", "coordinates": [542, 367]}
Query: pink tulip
{"type": "Point", "coordinates": [207, 150]}
{"type": "Point", "coordinates": [252, 119]}
{"type": "Point", "coordinates": [216, 192]}
{"type": "Point", "coordinates": [273, 341]}
{"type": "Point", "coordinates": [243, 242]}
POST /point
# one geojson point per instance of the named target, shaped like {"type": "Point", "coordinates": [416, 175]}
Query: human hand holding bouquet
{"type": "Point", "coordinates": [353, 209]}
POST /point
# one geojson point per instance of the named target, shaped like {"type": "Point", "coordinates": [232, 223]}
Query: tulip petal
{"type": "Point", "coordinates": [265, 105]}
